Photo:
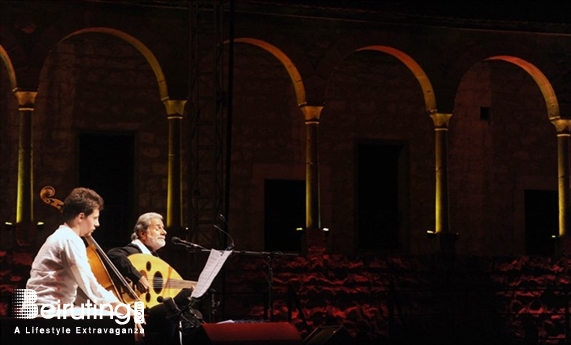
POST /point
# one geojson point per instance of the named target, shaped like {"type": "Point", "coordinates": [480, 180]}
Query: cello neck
{"type": "Point", "coordinates": [123, 283]}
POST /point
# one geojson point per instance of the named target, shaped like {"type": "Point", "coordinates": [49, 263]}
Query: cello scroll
{"type": "Point", "coordinates": [47, 194]}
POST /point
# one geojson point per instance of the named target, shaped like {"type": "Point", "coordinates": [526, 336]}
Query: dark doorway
{"type": "Point", "coordinates": [380, 169]}
{"type": "Point", "coordinates": [106, 163]}
{"type": "Point", "coordinates": [541, 221]}
{"type": "Point", "coordinates": [284, 213]}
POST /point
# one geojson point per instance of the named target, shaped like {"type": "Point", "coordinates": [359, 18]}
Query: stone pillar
{"type": "Point", "coordinates": [312, 210]}
{"type": "Point", "coordinates": [175, 110]}
{"type": "Point", "coordinates": [563, 127]}
{"type": "Point", "coordinates": [446, 239]}
{"type": "Point", "coordinates": [25, 229]}
{"type": "Point", "coordinates": [315, 237]}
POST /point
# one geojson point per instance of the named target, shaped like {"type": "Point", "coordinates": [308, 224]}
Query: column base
{"type": "Point", "coordinates": [444, 243]}
{"type": "Point", "coordinates": [314, 241]}
{"type": "Point", "coordinates": [562, 245]}
{"type": "Point", "coordinates": [26, 234]}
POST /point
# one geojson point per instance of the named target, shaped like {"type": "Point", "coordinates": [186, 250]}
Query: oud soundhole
{"type": "Point", "coordinates": [158, 282]}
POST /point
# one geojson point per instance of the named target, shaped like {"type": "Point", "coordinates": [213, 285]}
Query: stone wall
{"type": "Point", "coordinates": [91, 77]}
{"type": "Point", "coordinates": [97, 80]}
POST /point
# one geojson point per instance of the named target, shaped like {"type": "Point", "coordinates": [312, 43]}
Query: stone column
{"type": "Point", "coordinates": [175, 110]}
{"type": "Point", "coordinates": [563, 127]}
{"type": "Point", "coordinates": [25, 234]}
{"type": "Point", "coordinates": [447, 239]}
{"type": "Point", "coordinates": [314, 236]}
{"type": "Point", "coordinates": [312, 213]}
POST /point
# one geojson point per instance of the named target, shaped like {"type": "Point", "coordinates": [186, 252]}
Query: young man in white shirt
{"type": "Point", "coordinates": [61, 266]}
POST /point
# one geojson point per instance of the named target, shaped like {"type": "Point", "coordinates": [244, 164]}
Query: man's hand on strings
{"type": "Point", "coordinates": [143, 285]}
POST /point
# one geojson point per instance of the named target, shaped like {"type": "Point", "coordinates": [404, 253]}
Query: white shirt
{"type": "Point", "coordinates": [60, 267]}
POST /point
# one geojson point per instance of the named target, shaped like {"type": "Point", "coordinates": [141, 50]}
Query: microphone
{"type": "Point", "coordinates": [178, 241]}
{"type": "Point", "coordinates": [221, 216]}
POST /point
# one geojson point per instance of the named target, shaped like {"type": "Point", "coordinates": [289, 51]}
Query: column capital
{"type": "Point", "coordinates": [174, 106]}
{"type": "Point", "coordinates": [562, 126]}
{"type": "Point", "coordinates": [26, 99]}
{"type": "Point", "coordinates": [441, 120]}
{"type": "Point", "coordinates": [311, 113]}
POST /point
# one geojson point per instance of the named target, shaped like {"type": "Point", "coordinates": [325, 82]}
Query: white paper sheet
{"type": "Point", "coordinates": [210, 271]}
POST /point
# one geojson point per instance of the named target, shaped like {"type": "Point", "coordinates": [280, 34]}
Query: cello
{"type": "Point", "coordinates": [101, 265]}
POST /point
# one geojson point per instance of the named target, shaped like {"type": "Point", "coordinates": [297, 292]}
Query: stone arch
{"type": "Point", "coordinates": [427, 90]}
{"type": "Point", "coordinates": [287, 63]}
{"type": "Point", "coordinates": [542, 82]}
{"type": "Point", "coordinates": [146, 52]}
{"type": "Point", "coordinates": [9, 68]}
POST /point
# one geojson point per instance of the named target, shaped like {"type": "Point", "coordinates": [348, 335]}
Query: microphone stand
{"type": "Point", "coordinates": [269, 313]}
{"type": "Point", "coordinates": [196, 248]}
{"type": "Point", "coordinates": [270, 279]}
{"type": "Point", "coordinates": [270, 272]}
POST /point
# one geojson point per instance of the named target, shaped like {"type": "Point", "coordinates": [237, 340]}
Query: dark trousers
{"type": "Point", "coordinates": [162, 320]}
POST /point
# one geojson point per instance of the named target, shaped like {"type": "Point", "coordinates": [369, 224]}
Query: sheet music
{"type": "Point", "coordinates": [210, 271]}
